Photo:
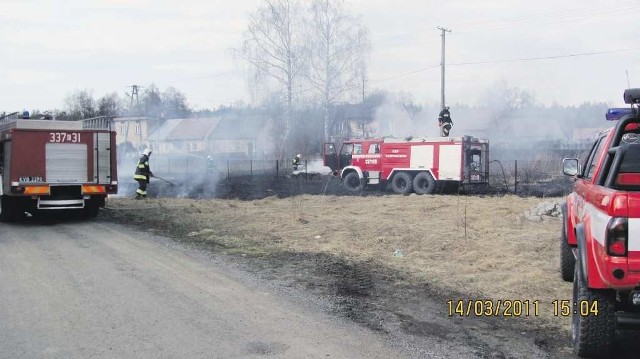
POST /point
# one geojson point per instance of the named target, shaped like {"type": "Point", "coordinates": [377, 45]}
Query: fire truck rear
{"type": "Point", "coordinates": [411, 165]}
{"type": "Point", "coordinates": [55, 165]}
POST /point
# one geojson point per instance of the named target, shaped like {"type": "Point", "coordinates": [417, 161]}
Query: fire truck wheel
{"type": "Point", "coordinates": [352, 182]}
{"type": "Point", "coordinates": [592, 335]}
{"type": "Point", "coordinates": [9, 210]}
{"type": "Point", "coordinates": [424, 183]}
{"type": "Point", "coordinates": [567, 260]}
{"type": "Point", "coordinates": [401, 183]}
{"type": "Point", "coordinates": [4, 209]}
{"type": "Point", "coordinates": [91, 209]}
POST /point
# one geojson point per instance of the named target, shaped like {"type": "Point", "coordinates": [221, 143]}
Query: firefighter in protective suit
{"type": "Point", "coordinates": [143, 174]}
{"type": "Point", "coordinates": [445, 122]}
{"type": "Point", "coordinates": [296, 162]}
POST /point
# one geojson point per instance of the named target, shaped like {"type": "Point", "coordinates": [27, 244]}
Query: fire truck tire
{"type": "Point", "coordinates": [352, 182]}
{"type": "Point", "coordinates": [4, 209]}
{"type": "Point", "coordinates": [567, 260]}
{"type": "Point", "coordinates": [9, 211]}
{"type": "Point", "coordinates": [424, 183]}
{"type": "Point", "coordinates": [592, 335]}
{"type": "Point", "coordinates": [401, 183]}
{"type": "Point", "coordinates": [91, 209]}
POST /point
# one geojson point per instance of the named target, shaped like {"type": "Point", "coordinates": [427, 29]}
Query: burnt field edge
{"type": "Point", "coordinates": [249, 188]}
{"type": "Point", "coordinates": [370, 293]}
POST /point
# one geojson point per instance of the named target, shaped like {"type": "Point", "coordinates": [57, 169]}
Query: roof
{"type": "Point", "coordinates": [239, 127]}
{"type": "Point", "coordinates": [192, 129]}
{"type": "Point", "coordinates": [129, 118]}
{"type": "Point", "coordinates": [164, 130]}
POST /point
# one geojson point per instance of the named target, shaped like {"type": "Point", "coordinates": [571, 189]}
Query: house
{"type": "Point", "coordinates": [351, 120]}
{"type": "Point", "coordinates": [231, 135]}
{"type": "Point", "coordinates": [241, 135]}
{"type": "Point", "coordinates": [131, 131]}
{"type": "Point", "coordinates": [158, 138]}
{"type": "Point", "coordinates": [190, 135]}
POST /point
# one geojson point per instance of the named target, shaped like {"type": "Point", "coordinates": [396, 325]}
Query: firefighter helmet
{"type": "Point", "coordinates": [147, 152]}
{"type": "Point", "coordinates": [298, 155]}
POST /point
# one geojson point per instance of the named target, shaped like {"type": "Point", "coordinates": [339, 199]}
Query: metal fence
{"type": "Point", "coordinates": [510, 176]}
{"type": "Point", "coordinates": [223, 169]}
{"type": "Point", "coordinates": [516, 176]}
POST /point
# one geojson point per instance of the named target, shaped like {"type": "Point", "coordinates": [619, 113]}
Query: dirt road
{"type": "Point", "coordinates": [85, 289]}
{"type": "Point", "coordinates": [74, 289]}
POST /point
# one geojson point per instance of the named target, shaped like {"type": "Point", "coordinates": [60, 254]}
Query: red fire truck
{"type": "Point", "coordinates": [600, 238]}
{"type": "Point", "coordinates": [55, 165]}
{"type": "Point", "coordinates": [418, 165]}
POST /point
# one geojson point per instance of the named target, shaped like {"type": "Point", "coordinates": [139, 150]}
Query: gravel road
{"type": "Point", "coordinates": [88, 289]}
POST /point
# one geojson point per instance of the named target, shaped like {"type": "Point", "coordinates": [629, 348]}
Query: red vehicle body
{"type": "Point", "coordinates": [55, 165]}
{"type": "Point", "coordinates": [417, 165]}
{"type": "Point", "coordinates": [600, 246]}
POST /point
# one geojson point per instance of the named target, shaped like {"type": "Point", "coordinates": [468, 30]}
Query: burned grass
{"type": "Point", "coordinates": [381, 257]}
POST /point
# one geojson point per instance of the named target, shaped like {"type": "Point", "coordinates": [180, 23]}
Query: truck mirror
{"type": "Point", "coordinates": [570, 166]}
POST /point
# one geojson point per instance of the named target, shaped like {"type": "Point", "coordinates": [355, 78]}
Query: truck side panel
{"type": "Point", "coordinates": [422, 157]}
{"type": "Point", "coordinates": [450, 162]}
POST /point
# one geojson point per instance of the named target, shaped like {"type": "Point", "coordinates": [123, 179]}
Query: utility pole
{"type": "Point", "coordinates": [134, 94]}
{"type": "Point", "coordinates": [444, 31]}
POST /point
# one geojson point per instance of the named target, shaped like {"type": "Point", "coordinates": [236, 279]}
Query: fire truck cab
{"type": "Point", "coordinates": [409, 165]}
{"type": "Point", "coordinates": [55, 165]}
{"type": "Point", "coordinates": [600, 237]}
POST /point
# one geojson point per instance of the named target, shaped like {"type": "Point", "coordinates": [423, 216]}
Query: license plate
{"type": "Point", "coordinates": [475, 177]}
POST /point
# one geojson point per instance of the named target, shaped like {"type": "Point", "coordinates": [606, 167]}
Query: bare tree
{"type": "Point", "coordinates": [174, 104]}
{"type": "Point", "coordinates": [274, 46]}
{"type": "Point", "coordinates": [338, 45]}
{"type": "Point", "coordinates": [111, 105]}
{"type": "Point", "coordinates": [503, 100]}
{"type": "Point", "coordinates": [80, 105]}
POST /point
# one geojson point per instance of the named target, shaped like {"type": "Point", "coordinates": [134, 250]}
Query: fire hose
{"type": "Point", "coordinates": [164, 180]}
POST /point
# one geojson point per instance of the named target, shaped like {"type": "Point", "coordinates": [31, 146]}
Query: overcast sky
{"type": "Point", "coordinates": [52, 48]}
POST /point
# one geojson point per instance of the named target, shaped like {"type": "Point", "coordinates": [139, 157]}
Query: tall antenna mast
{"type": "Point", "coordinates": [444, 31]}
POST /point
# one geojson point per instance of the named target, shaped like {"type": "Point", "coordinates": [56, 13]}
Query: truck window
{"type": "Point", "coordinates": [374, 148]}
{"type": "Point", "coordinates": [357, 149]}
{"type": "Point", "coordinates": [347, 148]}
{"type": "Point", "coordinates": [331, 150]}
{"type": "Point", "coordinates": [593, 158]}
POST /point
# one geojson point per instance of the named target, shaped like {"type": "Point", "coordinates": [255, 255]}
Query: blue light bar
{"type": "Point", "coordinates": [614, 114]}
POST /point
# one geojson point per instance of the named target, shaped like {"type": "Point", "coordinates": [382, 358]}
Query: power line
{"type": "Point", "coordinates": [554, 57]}
{"type": "Point", "coordinates": [543, 57]}
{"type": "Point", "coordinates": [406, 73]}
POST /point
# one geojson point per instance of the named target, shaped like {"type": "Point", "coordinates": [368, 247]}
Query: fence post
{"type": "Point", "coordinates": [515, 181]}
{"type": "Point", "coordinates": [251, 168]}
{"type": "Point", "coordinates": [228, 170]}
{"type": "Point", "coordinates": [277, 169]}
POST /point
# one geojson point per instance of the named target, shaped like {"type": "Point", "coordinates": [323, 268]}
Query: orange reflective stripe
{"type": "Point", "coordinates": [92, 189]}
{"type": "Point", "coordinates": [41, 190]}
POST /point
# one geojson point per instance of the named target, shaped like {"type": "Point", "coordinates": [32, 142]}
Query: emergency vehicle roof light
{"type": "Point", "coordinates": [614, 114]}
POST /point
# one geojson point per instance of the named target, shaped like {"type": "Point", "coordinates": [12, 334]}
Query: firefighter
{"type": "Point", "coordinates": [296, 161]}
{"type": "Point", "coordinates": [143, 173]}
{"type": "Point", "coordinates": [444, 121]}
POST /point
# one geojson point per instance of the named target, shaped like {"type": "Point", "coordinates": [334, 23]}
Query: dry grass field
{"type": "Point", "coordinates": [479, 247]}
